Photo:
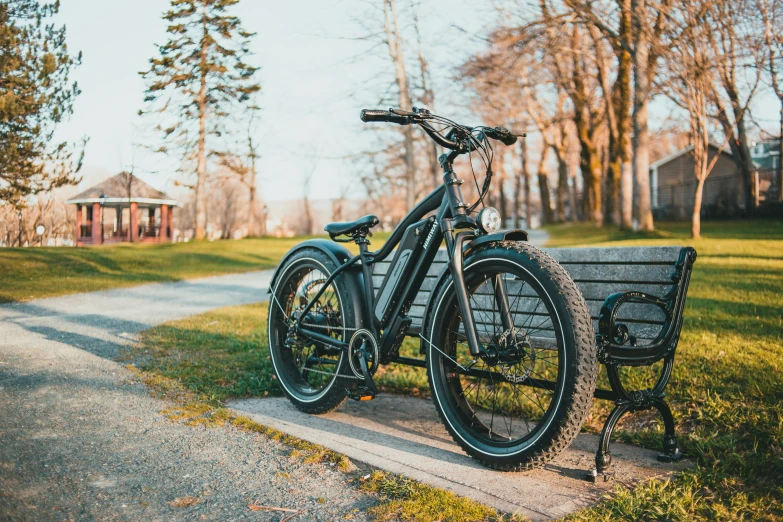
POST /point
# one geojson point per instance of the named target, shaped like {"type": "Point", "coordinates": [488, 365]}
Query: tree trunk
{"type": "Point", "coordinates": [641, 132]}
{"type": "Point", "coordinates": [623, 109]}
{"type": "Point", "coordinates": [394, 40]}
{"type": "Point", "coordinates": [501, 183]}
{"type": "Point", "coordinates": [746, 166]}
{"type": "Point", "coordinates": [429, 101]}
{"type": "Point", "coordinates": [543, 189]}
{"type": "Point", "coordinates": [526, 182]}
{"type": "Point", "coordinates": [435, 173]}
{"type": "Point", "coordinates": [626, 195]}
{"type": "Point", "coordinates": [516, 191]}
{"type": "Point", "coordinates": [251, 211]}
{"type": "Point", "coordinates": [201, 169]}
{"type": "Point", "coordinates": [613, 180]}
{"type": "Point", "coordinates": [696, 217]}
{"type": "Point", "coordinates": [562, 189]}
{"type": "Point", "coordinates": [595, 192]}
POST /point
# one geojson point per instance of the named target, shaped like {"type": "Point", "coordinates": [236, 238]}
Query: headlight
{"type": "Point", "coordinates": [489, 220]}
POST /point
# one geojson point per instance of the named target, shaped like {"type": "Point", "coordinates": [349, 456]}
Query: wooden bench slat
{"type": "Point", "coordinates": [620, 272]}
{"type": "Point", "coordinates": [598, 272]}
{"type": "Point", "coordinates": [620, 255]}
{"type": "Point", "coordinates": [650, 255]}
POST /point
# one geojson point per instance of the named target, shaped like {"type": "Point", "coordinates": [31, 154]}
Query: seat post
{"type": "Point", "coordinates": [363, 243]}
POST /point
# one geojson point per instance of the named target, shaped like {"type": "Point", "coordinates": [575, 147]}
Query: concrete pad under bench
{"type": "Point", "coordinates": [405, 435]}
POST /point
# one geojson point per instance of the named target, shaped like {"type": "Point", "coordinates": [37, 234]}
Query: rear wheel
{"type": "Point", "coordinates": [309, 372]}
{"type": "Point", "coordinates": [524, 400]}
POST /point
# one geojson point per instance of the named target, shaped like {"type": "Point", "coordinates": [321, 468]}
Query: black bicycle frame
{"type": "Point", "coordinates": [451, 217]}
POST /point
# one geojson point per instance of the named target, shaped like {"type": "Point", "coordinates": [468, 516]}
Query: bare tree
{"type": "Point", "coordinates": [644, 41]}
{"type": "Point", "coordinates": [525, 176]}
{"type": "Point", "coordinates": [691, 69]}
{"type": "Point", "coordinates": [428, 98]}
{"type": "Point", "coordinates": [394, 42]}
{"type": "Point", "coordinates": [242, 162]}
{"type": "Point", "coordinates": [732, 37]}
{"type": "Point", "coordinates": [307, 213]}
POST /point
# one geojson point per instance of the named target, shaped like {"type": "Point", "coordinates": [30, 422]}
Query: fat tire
{"type": "Point", "coordinates": [578, 395]}
{"type": "Point", "coordinates": [335, 396]}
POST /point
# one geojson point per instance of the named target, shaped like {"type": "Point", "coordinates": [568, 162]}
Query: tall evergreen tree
{"type": "Point", "coordinates": [35, 95]}
{"type": "Point", "coordinates": [199, 74]}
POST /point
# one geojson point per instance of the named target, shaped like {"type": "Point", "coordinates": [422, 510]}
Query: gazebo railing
{"type": "Point", "coordinates": [111, 231]}
{"type": "Point", "coordinates": [149, 231]}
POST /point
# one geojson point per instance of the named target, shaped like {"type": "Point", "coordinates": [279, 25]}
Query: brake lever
{"type": "Point", "coordinates": [398, 112]}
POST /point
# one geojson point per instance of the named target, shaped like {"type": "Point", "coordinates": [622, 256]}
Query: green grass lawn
{"type": "Point", "coordinates": [726, 391]}
{"type": "Point", "coordinates": [28, 273]}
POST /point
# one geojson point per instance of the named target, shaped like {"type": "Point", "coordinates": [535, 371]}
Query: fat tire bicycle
{"type": "Point", "coordinates": [507, 336]}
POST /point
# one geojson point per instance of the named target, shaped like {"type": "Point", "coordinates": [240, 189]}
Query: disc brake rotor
{"type": "Point", "coordinates": [517, 357]}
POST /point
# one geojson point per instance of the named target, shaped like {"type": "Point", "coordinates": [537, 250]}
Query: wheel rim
{"type": "Point", "coordinates": [491, 397]}
{"type": "Point", "coordinates": [306, 369]}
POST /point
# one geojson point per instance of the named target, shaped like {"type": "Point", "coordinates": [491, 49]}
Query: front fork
{"type": "Point", "coordinates": [454, 244]}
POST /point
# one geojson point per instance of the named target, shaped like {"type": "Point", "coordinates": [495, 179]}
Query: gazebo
{"type": "Point", "coordinates": [123, 208]}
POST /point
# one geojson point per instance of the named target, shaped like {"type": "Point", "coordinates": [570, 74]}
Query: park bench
{"type": "Point", "coordinates": [636, 297]}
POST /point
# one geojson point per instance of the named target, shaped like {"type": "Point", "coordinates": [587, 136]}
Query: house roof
{"type": "Point", "coordinates": [686, 150]}
{"type": "Point", "coordinates": [115, 190]}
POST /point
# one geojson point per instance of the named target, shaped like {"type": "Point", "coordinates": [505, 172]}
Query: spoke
{"type": "Point", "coordinates": [536, 399]}
{"type": "Point", "coordinates": [538, 328]}
{"type": "Point", "coordinates": [521, 408]}
{"type": "Point", "coordinates": [519, 296]}
{"type": "Point", "coordinates": [532, 315]}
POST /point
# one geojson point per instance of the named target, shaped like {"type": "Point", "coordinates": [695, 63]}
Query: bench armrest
{"type": "Point", "coordinates": [616, 346]}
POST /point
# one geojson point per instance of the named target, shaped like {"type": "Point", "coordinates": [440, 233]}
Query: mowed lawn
{"type": "Point", "coordinates": [727, 387]}
{"type": "Point", "coordinates": [29, 273]}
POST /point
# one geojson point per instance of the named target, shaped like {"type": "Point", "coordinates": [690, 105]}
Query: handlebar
{"type": "Point", "coordinates": [419, 116]}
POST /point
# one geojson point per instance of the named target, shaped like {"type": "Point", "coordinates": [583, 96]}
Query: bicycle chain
{"type": "Point", "coordinates": [339, 375]}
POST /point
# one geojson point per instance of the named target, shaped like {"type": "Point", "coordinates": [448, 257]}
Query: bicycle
{"type": "Point", "coordinates": [507, 337]}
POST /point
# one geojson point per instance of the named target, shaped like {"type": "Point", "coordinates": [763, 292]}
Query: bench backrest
{"type": "Point", "coordinates": [598, 272]}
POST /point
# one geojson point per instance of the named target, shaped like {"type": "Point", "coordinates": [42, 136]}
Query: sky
{"type": "Point", "coordinates": [314, 83]}
{"type": "Point", "coordinates": [315, 76]}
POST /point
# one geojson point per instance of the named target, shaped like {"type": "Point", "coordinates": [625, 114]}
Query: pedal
{"type": "Point", "coordinates": [366, 391]}
{"type": "Point", "coordinates": [360, 393]}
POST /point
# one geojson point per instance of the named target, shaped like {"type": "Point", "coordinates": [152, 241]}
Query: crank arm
{"type": "Point", "coordinates": [366, 372]}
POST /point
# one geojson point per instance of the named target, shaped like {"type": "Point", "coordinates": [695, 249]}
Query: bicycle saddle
{"type": "Point", "coordinates": [350, 228]}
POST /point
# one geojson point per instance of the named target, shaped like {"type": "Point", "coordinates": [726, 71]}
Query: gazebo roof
{"type": "Point", "coordinates": [116, 191]}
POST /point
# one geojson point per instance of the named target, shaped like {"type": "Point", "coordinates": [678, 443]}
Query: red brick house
{"type": "Point", "coordinates": [123, 208]}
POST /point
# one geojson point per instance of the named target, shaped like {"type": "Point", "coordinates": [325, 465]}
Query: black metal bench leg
{"type": "Point", "coordinates": [603, 458]}
{"type": "Point", "coordinates": [671, 452]}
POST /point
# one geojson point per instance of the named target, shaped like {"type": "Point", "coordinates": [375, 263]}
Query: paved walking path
{"type": "Point", "coordinates": [404, 435]}
{"type": "Point", "coordinates": [81, 439]}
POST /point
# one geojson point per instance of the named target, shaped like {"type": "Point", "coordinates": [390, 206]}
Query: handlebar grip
{"type": "Point", "coordinates": [502, 135]}
{"type": "Point", "coordinates": [368, 115]}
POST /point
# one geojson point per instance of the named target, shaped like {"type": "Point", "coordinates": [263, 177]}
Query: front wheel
{"type": "Point", "coordinates": [525, 398]}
